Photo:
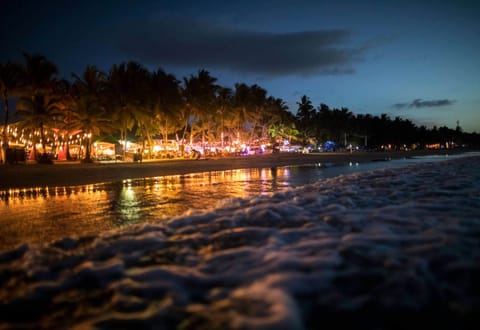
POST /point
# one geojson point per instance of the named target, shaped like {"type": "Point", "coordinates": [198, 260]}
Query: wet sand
{"type": "Point", "coordinates": [69, 174]}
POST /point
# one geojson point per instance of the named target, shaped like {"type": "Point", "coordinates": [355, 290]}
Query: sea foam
{"type": "Point", "coordinates": [391, 248]}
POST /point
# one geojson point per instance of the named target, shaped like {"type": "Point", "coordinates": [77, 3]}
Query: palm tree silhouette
{"type": "Point", "coordinates": [11, 82]}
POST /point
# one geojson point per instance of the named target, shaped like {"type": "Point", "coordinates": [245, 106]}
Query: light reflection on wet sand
{"type": "Point", "coordinates": [41, 215]}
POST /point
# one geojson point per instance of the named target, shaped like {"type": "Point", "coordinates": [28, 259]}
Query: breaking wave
{"type": "Point", "coordinates": [385, 249]}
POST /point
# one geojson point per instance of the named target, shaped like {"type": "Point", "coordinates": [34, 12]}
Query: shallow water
{"type": "Point", "coordinates": [42, 215]}
{"type": "Point", "coordinates": [393, 248]}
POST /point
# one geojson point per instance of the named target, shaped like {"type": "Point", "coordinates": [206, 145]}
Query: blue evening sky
{"type": "Point", "coordinates": [414, 59]}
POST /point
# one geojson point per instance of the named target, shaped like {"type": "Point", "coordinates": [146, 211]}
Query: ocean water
{"type": "Point", "coordinates": [41, 215]}
{"type": "Point", "coordinates": [390, 248]}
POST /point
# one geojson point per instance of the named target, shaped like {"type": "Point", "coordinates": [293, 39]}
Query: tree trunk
{"type": "Point", "coordinates": [3, 152]}
{"type": "Point", "coordinates": [44, 159]}
{"type": "Point", "coordinates": [150, 143]}
{"type": "Point", "coordinates": [165, 133]}
{"type": "Point", "coordinates": [185, 130]}
{"type": "Point", "coordinates": [88, 151]}
{"type": "Point", "coordinates": [123, 134]}
{"type": "Point", "coordinates": [42, 136]}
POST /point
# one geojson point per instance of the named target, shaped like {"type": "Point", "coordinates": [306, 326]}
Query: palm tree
{"type": "Point", "coordinates": [341, 125]}
{"type": "Point", "coordinates": [250, 102]}
{"type": "Point", "coordinates": [40, 73]}
{"type": "Point", "coordinates": [331, 124]}
{"type": "Point", "coordinates": [139, 100]}
{"type": "Point", "coordinates": [11, 79]}
{"type": "Point", "coordinates": [260, 116]}
{"type": "Point", "coordinates": [37, 113]}
{"type": "Point", "coordinates": [224, 104]}
{"type": "Point", "coordinates": [38, 105]}
{"type": "Point", "coordinates": [271, 113]}
{"type": "Point", "coordinates": [92, 82]}
{"type": "Point", "coordinates": [89, 115]}
{"type": "Point", "coordinates": [126, 85]}
{"type": "Point", "coordinates": [165, 102]}
{"type": "Point", "coordinates": [284, 130]}
{"type": "Point", "coordinates": [67, 93]}
{"type": "Point", "coordinates": [242, 113]}
{"type": "Point", "coordinates": [90, 118]}
{"type": "Point", "coordinates": [200, 94]}
{"type": "Point", "coordinates": [284, 126]}
{"type": "Point", "coordinates": [276, 112]}
{"type": "Point", "coordinates": [305, 117]}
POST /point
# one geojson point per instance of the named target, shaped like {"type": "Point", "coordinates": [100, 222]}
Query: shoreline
{"type": "Point", "coordinates": [71, 174]}
{"type": "Point", "coordinates": [389, 242]}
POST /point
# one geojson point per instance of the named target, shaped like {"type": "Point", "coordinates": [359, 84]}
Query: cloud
{"type": "Point", "coordinates": [419, 103]}
{"type": "Point", "coordinates": [200, 44]}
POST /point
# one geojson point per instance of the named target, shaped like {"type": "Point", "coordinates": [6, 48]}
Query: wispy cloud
{"type": "Point", "coordinates": [419, 103]}
{"type": "Point", "coordinates": [195, 43]}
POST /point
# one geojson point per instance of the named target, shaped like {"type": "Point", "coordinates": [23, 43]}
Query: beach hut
{"type": "Point", "coordinates": [103, 150]}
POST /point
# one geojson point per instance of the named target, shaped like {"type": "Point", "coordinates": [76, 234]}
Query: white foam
{"type": "Point", "coordinates": [383, 247]}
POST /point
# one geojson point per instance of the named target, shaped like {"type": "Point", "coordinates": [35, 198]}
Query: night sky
{"type": "Point", "coordinates": [414, 59]}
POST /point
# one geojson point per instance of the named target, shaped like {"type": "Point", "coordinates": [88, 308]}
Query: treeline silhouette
{"type": "Point", "coordinates": [131, 102]}
{"type": "Point", "coordinates": [342, 126]}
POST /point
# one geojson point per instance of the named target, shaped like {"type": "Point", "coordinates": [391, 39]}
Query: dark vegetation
{"type": "Point", "coordinates": [129, 102]}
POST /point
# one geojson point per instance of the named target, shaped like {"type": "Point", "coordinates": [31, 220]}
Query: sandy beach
{"type": "Point", "coordinates": [69, 174]}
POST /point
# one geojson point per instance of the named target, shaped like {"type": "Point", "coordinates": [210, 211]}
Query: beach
{"type": "Point", "coordinates": [392, 248]}
{"type": "Point", "coordinates": [75, 173]}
